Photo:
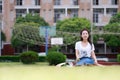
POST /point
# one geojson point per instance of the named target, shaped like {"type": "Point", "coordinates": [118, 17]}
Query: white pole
{"type": "Point", "coordinates": [66, 12]}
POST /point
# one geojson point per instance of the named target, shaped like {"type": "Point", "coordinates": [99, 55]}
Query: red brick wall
{"type": "Point", "coordinates": [8, 50]}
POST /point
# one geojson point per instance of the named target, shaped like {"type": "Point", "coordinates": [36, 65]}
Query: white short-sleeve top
{"type": "Point", "coordinates": [84, 51]}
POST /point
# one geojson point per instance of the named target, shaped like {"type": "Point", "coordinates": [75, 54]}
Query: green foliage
{"type": "Point", "coordinates": [68, 37]}
{"type": "Point", "coordinates": [3, 37]}
{"type": "Point", "coordinates": [16, 42]}
{"type": "Point", "coordinates": [73, 24]}
{"type": "Point", "coordinates": [69, 27]}
{"type": "Point", "coordinates": [114, 27]}
{"type": "Point", "coordinates": [55, 58]}
{"type": "Point", "coordinates": [118, 57]}
{"type": "Point", "coordinates": [32, 18]}
{"type": "Point", "coordinates": [112, 40]}
{"type": "Point", "coordinates": [9, 58]}
{"type": "Point", "coordinates": [26, 24]}
{"type": "Point", "coordinates": [42, 59]}
{"type": "Point", "coordinates": [95, 38]}
{"type": "Point", "coordinates": [29, 57]}
{"type": "Point", "coordinates": [26, 35]}
{"type": "Point", "coordinates": [26, 30]}
{"type": "Point", "coordinates": [53, 48]}
{"type": "Point", "coordinates": [20, 20]}
{"type": "Point", "coordinates": [115, 19]}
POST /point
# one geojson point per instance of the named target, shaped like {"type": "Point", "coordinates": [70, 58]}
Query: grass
{"type": "Point", "coordinates": [42, 71]}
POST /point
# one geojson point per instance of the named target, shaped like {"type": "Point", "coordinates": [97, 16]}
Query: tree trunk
{"type": "Point", "coordinates": [27, 47]}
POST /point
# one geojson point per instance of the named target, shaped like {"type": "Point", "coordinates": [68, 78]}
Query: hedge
{"type": "Point", "coordinates": [15, 58]}
{"type": "Point", "coordinates": [9, 58]}
{"type": "Point", "coordinates": [118, 57]}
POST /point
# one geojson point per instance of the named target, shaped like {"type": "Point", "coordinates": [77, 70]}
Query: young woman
{"type": "Point", "coordinates": [84, 50]}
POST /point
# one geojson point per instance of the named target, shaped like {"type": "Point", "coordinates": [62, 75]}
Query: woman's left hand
{"type": "Point", "coordinates": [96, 62]}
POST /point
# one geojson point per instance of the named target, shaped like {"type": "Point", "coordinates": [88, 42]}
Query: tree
{"type": "Point", "coordinates": [115, 19]}
{"type": "Point", "coordinates": [32, 18]}
{"type": "Point", "coordinates": [27, 34]}
{"type": "Point", "coordinates": [24, 34]}
{"type": "Point", "coordinates": [73, 24]}
{"type": "Point", "coordinates": [114, 41]}
{"type": "Point", "coordinates": [113, 28]}
{"type": "Point", "coordinates": [26, 31]}
{"type": "Point", "coordinates": [69, 29]}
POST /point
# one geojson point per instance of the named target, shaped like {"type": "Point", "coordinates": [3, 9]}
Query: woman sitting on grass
{"type": "Point", "coordinates": [84, 51]}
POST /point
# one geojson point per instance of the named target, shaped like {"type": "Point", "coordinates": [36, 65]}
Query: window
{"type": "Point", "coordinates": [0, 6]}
{"type": "Point", "coordinates": [112, 11]}
{"type": "Point", "coordinates": [96, 14]}
{"type": "Point", "coordinates": [20, 12]}
{"type": "Point", "coordinates": [75, 2]}
{"type": "Point", "coordinates": [99, 11]}
{"type": "Point", "coordinates": [58, 14]}
{"type": "Point", "coordinates": [114, 2]}
{"type": "Point", "coordinates": [19, 2]}
{"type": "Point", "coordinates": [95, 2]}
{"type": "Point", "coordinates": [95, 18]}
{"type": "Point", "coordinates": [37, 2]}
{"type": "Point", "coordinates": [73, 12]}
{"type": "Point", "coordinates": [33, 11]}
{"type": "Point", "coordinates": [57, 17]}
{"type": "Point", "coordinates": [57, 2]}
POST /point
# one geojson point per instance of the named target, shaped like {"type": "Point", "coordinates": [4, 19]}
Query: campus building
{"type": "Point", "coordinates": [98, 12]}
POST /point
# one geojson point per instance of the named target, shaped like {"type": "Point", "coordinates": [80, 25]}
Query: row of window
{"type": "Point", "coordinates": [60, 14]}
{"type": "Point", "coordinates": [37, 2]}
{"type": "Point", "coordinates": [74, 2]}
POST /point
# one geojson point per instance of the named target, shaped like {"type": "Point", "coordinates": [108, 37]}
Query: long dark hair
{"type": "Point", "coordinates": [89, 38]}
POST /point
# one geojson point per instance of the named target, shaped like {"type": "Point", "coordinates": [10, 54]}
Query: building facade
{"type": "Point", "coordinates": [98, 12]}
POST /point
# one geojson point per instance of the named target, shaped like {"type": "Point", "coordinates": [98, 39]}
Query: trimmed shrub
{"type": "Point", "coordinates": [9, 58]}
{"type": "Point", "coordinates": [55, 58]}
{"type": "Point", "coordinates": [29, 57]}
{"type": "Point", "coordinates": [118, 57]}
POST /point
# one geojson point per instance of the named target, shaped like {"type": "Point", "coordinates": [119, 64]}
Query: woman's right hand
{"type": "Point", "coordinates": [77, 59]}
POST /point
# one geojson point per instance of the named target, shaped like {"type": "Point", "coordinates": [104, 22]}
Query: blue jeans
{"type": "Point", "coordinates": [85, 61]}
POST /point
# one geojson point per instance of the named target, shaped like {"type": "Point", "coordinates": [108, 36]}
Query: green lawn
{"type": "Point", "coordinates": [41, 71]}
